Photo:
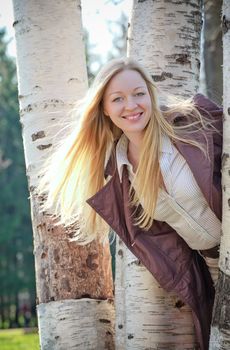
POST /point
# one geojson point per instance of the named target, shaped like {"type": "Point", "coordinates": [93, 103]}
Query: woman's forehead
{"type": "Point", "coordinates": [125, 80]}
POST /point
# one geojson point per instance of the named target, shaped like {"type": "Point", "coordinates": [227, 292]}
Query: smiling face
{"type": "Point", "coordinates": [127, 102]}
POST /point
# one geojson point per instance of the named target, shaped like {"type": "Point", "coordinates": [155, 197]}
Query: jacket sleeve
{"type": "Point", "coordinates": [212, 111]}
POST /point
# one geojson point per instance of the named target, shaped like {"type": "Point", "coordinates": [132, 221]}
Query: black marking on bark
{"type": "Point", "coordinates": [135, 262]}
{"type": "Point", "coordinates": [15, 22]}
{"type": "Point", "coordinates": [56, 337]}
{"type": "Point", "coordinates": [62, 319]}
{"type": "Point", "coordinates": [120, 326]}
{"type": "Point", "coordinates": [141, 1]}
{"type": "Point", "coordinates": [88, 296]}
{"type": "Point", "coordinates": [225, 157]}
{"type": "Point", "coordinates": [130, 336]}
{"type": "Point", "coordinates": [182, 58]}
{"type": "Point", "coordinates": [41, 147]}
{"type": "Point", "coordinates": [120, 253]}
{"type": "Point", "coordinates": [43, 256]}
{"type": "Point", "coordinates": [229, 111]}
{"type": "Point", "coordinates": [32, 188]}
{"type": "Point", "coordinates": [104, 320]}
{"type": "Point", "coordinates": [90, 261]}
{"type": "Point", "coordinates": [225, 25]}
{"type": "Point", "coordinates": [227, 261]}
{"type": "Point", "coordinates": [179, 304]}
{"type": "Point", "coordinates": [229, 202]}
{"type": "Point", "coordinates": [38, 135]}
{"type": "Point", "coordinates": [182, 2]}
{"type": "Point", "coordinates": [163, 76]}
{"type": "Point", "coordinates": [221, 310]}
{"type": "Point", "coordinates": [28, 108]}
{"type": "Point", "coordinates": [72, 79]}
{"type": "Point", "coordinates": [198, 63]}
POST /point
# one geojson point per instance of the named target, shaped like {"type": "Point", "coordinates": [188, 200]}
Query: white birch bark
{"type": "Point", "coordinates": [220, 331]}
{"type": "Point", "coordinates": [164, 37]}
{"type": "Point", "coordinates": [52, 76]}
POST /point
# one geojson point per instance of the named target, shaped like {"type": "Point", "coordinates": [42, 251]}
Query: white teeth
{"type": "Point", "coordinates": [133, 116]}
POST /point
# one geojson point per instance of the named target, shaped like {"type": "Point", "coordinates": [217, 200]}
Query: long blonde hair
{"type": "Point", "coordinates": [75, 171]}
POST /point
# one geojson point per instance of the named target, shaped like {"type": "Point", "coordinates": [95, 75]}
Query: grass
{"type": "Point", "coordinates": [16, 339]}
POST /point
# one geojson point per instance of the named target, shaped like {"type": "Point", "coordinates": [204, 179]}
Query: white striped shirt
{"type": "Point", "coordinates": [183, 206]}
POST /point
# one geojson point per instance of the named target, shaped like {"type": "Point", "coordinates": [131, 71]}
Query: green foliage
{"type": "Point", "coordinates": [16, 257]}
{"type": "Point", "coordinates": [16, 339]}
{"type": "Point", "coordinates": [118, 29]}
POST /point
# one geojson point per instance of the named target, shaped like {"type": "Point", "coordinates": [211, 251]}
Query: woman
{"type": "Point", "coordinates": [150, 173]}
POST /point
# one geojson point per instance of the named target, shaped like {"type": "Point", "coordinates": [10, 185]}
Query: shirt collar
{"type": "Point", "coordinates": [121, 155]}
{"type": "Point", "coordinates": [121, 152]}
{"type": "Point", "coordinates": [166, 146]}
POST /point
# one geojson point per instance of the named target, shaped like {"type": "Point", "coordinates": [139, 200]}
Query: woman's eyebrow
{"type": "Point", "coordinates": [120, 92]}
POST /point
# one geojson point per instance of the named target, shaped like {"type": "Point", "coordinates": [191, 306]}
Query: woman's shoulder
{"type": "Point", "coordinates": [204, 103]}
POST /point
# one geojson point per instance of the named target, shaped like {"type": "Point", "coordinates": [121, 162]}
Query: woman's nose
{"type": "Point", "coordinates": [130, 103]}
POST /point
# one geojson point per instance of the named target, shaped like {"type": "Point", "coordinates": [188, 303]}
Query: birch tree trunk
{"type": "Point", "coordinates": [74, 284]}
{"type": "Point", "coordinates": [213, 51]}
{"type": "Point", "coordinates": [165, 38]}
{"type": "Point", "coordinates": [220, 331]}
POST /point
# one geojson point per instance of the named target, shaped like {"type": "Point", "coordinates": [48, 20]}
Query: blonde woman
{"type": "Point", "coordinates": [152, 174]}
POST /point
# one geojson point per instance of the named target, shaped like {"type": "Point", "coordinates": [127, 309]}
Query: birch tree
{"type": "Point", "coordinates": [165, 37]}
{"type": "Point", "coordinates": [74, 284]}
{"type": "Point", "coordinates": [220, 331]}
{"type": "Point", "coordinates": [213, 51]}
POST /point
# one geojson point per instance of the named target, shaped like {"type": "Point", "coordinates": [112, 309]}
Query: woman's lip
{"type": "Point", "coordinates": [132, 116]}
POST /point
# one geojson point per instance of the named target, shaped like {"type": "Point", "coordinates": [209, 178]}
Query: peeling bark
{"type": "Point", "coordinates": [52, 77]}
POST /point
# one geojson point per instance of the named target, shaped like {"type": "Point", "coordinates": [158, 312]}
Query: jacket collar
{"type": "Point", "coordinates": [195, 159]}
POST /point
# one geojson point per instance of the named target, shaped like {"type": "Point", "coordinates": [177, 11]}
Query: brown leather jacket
{"type": "Point", "coordinates": [165, 254]}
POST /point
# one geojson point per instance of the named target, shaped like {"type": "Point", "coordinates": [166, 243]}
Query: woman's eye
{"type": "Point", "coordinates": [140, 94]}
{"type": "Point", "coordinates": [117, 99]}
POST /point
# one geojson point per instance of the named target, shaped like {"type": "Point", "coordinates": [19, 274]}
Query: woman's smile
{"type": "Point", "coordinates": [133, 117]}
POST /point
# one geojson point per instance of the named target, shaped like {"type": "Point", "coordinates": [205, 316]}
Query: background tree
{"type": "Point", "coordinates": [220, 332]}
{"type": "Point", "coordinates": [119, 30]}
{"type": "Point", "coordinates": [16, 257]}
{"type": "Point", "coordinates": [213, 50]}
{"type": "Point", "coordinates": [74, 284]}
